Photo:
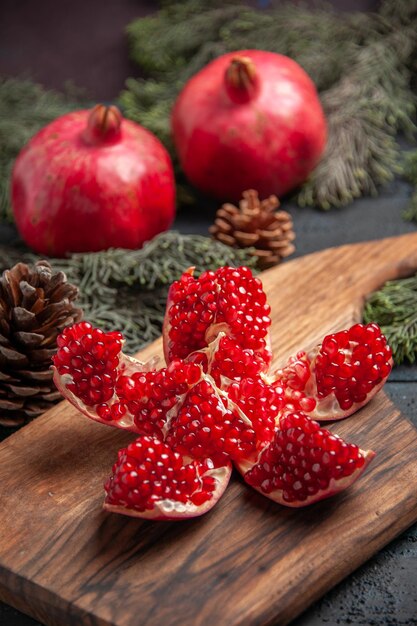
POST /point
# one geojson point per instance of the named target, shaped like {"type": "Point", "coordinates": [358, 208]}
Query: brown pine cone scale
{"type": "Point", "coordinates": [256, 224]}
{"type": "Point", "coordinates": [35, 305]}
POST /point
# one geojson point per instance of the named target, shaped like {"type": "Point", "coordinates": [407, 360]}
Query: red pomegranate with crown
{"type": "Point", "coordinates": [92, 180]}
{"type": "Point", "coordinates": [249, 120]}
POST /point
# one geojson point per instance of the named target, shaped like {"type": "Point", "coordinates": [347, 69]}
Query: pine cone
{"type": "Point", "coordinates": [256, 224]}
{"type": "Point", "coordinates": [35, 305]}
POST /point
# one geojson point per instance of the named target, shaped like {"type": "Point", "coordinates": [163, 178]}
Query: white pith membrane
{"type": "Point", "coordinates": [167, 509]}
{"type": "Point", "coordinates": [327, 409]}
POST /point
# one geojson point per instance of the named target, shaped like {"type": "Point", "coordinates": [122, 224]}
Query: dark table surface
{"type": "Point", "coordinates": [384, 590]}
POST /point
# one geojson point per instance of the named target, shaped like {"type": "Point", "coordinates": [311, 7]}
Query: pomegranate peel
{"type": "Point", "coordinates": [91, 180]}
{"type": "Point", "coordinates": [151, 481]}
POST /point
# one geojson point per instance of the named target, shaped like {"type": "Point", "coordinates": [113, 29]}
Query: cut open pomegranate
{"type": "Point", "coordinates": [108, 386]}
{"type": "Point", "coordinates": [305, 463]}
{"type": "Point", "coordinates": [339, 376]}
{"type": "Point", "coordinates": [214, 403]}
{"type": "Point", "coordinates": [151, 481]}
{"type": "Point", "coordinates": [229, 300]}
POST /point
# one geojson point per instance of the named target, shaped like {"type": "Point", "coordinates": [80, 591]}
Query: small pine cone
{"type": "Point", "coordinates": [35, 305]}
{"type": "Point", "coordinates": [256, 224]}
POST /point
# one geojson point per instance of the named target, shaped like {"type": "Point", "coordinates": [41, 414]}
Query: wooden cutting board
{"type": "Point", "coordinates": [249, 561]}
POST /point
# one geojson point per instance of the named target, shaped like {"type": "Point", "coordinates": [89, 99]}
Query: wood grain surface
{"type": "Point", "coordinates": [249, 561]}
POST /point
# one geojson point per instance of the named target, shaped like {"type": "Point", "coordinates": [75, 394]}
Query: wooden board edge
{"type": "Point", "coordinates": [43, 605]}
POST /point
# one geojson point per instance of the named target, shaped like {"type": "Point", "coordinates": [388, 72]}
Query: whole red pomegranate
{"type": "Point", "coordinates": [249, 119]}
{"type": "Point", "coordinates": [92, 180]}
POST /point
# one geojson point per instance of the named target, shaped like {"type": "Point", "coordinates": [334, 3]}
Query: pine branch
{"type": "Point", "coordinates": [365, 110]}
{"type": "Point", "coordinates": [126, 289]}
{"type": "Point", "coordinates": [394, 308]}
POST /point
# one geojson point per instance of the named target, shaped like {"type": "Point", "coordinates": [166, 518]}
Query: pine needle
{"type": "Point", "coordinates": [394, 308]}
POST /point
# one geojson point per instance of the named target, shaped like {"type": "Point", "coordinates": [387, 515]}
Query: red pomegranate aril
{"type": "Point", "coordinates": [305, 463]}
{"type": "Point", "coordinates": [199, 309]}
{"type": "Point", "coordinates": [149, 480]}
{"type": "Point", "coordinates": [204, 427]}
{"type": "Point", "coordinates": [338, 377]}
{"type": "Point", "coordinates": [76, 346]}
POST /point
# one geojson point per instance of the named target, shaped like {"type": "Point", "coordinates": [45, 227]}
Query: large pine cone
{"type": "Point", "coordinates": [35, 305]}
{"type": "Point", "coordinates": [257, 224]}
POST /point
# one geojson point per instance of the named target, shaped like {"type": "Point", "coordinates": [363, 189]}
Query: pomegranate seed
{"type": "Point", "coordinates": [148, 471]}
{"type": "Point", "coordinates": [78, 348]}
{"type": "Point", "coordinates": [302, 460]}
{"type": "Point", "coordinates": [230, 361]}
{"type": "Point", "coordinates": [228, 298]}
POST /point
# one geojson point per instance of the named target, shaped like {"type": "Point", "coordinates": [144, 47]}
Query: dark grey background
{"type": "Point", "coordinates": [83, 41]}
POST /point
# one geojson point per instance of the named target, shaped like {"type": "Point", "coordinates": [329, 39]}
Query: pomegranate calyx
{"type": "Point", "coordinates": [241, 79]}
{"type": "Point", "coordinates": [103, 125]}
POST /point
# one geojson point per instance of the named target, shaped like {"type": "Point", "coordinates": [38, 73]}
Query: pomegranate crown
{"type": "Point", "coordinates": [241, 79]}
{"type": "Point", "coordinates": [103, 124]}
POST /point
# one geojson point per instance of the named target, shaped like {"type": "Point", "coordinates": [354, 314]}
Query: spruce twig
{"type": "Point", "coordinates": [365, 110]}
{"type": "Point", "coordinates": [394, 308]}
{"type": "Point", "coordinates": [126, 289]}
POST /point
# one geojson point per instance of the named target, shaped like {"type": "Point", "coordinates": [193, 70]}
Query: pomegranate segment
{"type": "Point", "coordinates": [229, 300]}
{"type": "Point", "coordinates": [92, 372]}
{"type": "Point", "coordinates": [151, 481]}
{"type": "Point", "coordinates": [339, 376]}
{"type": "Point", "coordinates": [86, 367]}
{"type": "Point", "coordinates": [305, 463]}
{"type": "Point", "coordinates": [260, 404]}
